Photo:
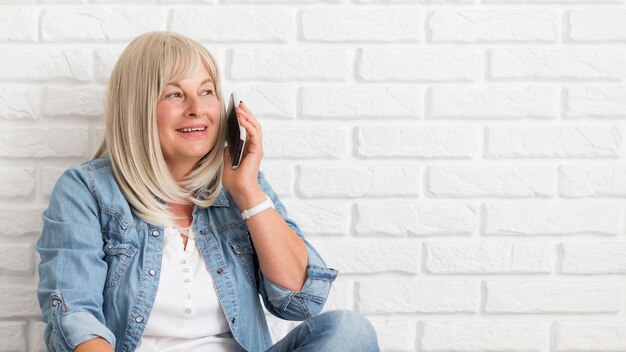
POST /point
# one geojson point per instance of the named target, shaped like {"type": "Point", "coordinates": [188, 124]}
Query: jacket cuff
{"type": "Point", "coordinates": [79, 327]}
{"type": "Point", "coordinates": [315, 289]}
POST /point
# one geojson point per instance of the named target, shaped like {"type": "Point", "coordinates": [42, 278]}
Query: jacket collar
{"type": "Point", "coordinates": [220, 201]}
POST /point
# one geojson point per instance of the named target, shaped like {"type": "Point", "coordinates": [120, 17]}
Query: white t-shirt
{"type": "Point", "coordinates": [187, 315]}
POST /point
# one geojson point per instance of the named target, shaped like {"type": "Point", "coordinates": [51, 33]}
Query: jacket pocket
{"type": "Point", "coordinates": [246, 255]}
{"type": "Point", "coordinates": [118, 257]}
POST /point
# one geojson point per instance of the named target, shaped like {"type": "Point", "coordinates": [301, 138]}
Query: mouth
{"type": "Point", "coordinates": [192, 129]}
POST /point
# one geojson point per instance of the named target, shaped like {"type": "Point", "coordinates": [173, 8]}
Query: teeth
{"type": "Point", "coordinates": [186, 130]}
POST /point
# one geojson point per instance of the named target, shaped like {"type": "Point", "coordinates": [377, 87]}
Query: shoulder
{"type": "Point", "coordinates": [94, 175]}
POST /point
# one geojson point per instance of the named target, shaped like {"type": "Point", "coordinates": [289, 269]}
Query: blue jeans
{"type": "Point", "coordinates": [338, 330]}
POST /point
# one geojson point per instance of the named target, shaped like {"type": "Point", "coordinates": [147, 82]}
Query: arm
{"type": "Point", "coordinates": [282, 254]}
{"type": "Point", "coordinates": [295, 281]}
{"type": "Point", "coordinates": [94, 345]}
{"type": "Point", "coordinates": [304, 296]}
{"type": "Point", "coordinates": [72, 271]}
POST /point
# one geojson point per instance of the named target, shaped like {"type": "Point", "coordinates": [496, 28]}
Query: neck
{"type": "Point", "coordinates": [180, 169]}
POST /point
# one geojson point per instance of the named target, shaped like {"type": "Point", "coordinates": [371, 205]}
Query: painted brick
{"type": "Point", "coordinates": [554, 142]}
{"type": "Point", "coordinates": [35, 340]}
{"type": "Point", "coordinates": [424, 296]}
{"type": "Point", "coordinates": [80, 101]}
{"type": "Point", "coordinates": [304, 142]}
{"type": "Point", "coordinates": [496, 335]}
{"type": "Point", "coordinates": [554, 296]}
{"type": "Point", "coordinates": [489, 258]}
{"type": "Point", "coordinates": [592, 181]}
{"type": "Point", "coordinates": [593, 258]}
{"type": "Point", "coordinates": [557, 64]}
{"type": "Point", "coordinates": [596, 25]}
{"type": "Point", "coordinates": [353, 102]}
{"type": "Point", "coordinates": [104, 61]}
{"type": "Point", "coordinates": [280, 177]}
{"type": "Point", "coordinates": [490, 181]}
{"type": "Point", "coordinates": [320, 217]}
{"type": "Point", "coordinates": [357, 181]}
{"type": "Point", "coordinates": [17, 258]}
{"type": "Point", "coordinates": [17, 221]}
{"type": "Point", "coordinates": [421, 142]}
{"type": "Point", "coordinates": [355, 25]}
{"type": "Point", "coordinates": [43, 142]}
{"type": "Point", "coordinates": [19, 103]}
{"type": "Point", "coordinates": [595, 102]}
{"type": "Point", "coordinates": [23, 300]}
{"type": "Point", "coordinates": [12, 335]}
{"type": "Point", "coordinates": [423, 219]}
{"type": "Point", "coordinates": [554, 219]}
{"type": "Point", "coordinates": [590, 335]}
{"type": "Point", "coordinates": [395, 334]}
{"type": "Point", "coordinates": [550, 1]}
{"type": "Point", "coordinates": [99, 24]}
{"type": "Point", "coordinates": [17, 182]}
{"type": "Point", "coordinates": [349, 257]}
{"type": "Point", "coordinates": [267, 102]}
{"type": "Point", "coordinates": [493, 102]}
{"type": "Point", "coordinates": [471, 26]}
{"type": "Point", "coordinates": [18, 25]}
{"type": "Point", "coordinates": [227, 24]}
{"type": "Point", "coordinates": [422, 65]}
{"type": "Point", "coordinates": [289, 64]}
{"type": "Point", "coordinates": [45, 64]}
{"type": "Point", "coordinates": [341, 294]}
{"type": "Point", "coordinates": [50, 176]}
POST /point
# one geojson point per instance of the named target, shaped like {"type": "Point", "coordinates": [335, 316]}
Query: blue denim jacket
{"type": "Point", "coordinates": [100, 266]}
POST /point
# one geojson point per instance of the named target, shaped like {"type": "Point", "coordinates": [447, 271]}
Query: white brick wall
{"type": "Point", "coordinates": [461, 162]}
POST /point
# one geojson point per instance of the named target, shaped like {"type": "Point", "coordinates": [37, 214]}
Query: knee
{"type": "Point", "coordinates": [352, 326]}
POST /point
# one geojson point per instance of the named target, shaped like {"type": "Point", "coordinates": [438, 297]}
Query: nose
{"type": "Point", "coordinates": [194, 108]}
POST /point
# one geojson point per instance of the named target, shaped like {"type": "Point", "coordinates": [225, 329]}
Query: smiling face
{"type": "Point", "coordinates": [188, 120]}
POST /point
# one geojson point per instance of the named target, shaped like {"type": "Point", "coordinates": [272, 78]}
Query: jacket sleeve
{"type": "Point", "coordinates": [309, 301]}
{"type": "Point", "coordinates": [72, 270]}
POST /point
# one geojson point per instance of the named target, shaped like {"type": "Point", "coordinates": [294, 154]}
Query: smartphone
{"type": "Point", "coordinates": [236, 135]}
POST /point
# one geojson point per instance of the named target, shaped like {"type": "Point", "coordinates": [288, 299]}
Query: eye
{"type": "Point", "coordinates": [210, 92]}
{"type": "Point", "coordinates": [174, 94]}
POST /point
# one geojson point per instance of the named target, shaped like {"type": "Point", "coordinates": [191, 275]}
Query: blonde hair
{"type": "Point", "coordinates": [131, 138]}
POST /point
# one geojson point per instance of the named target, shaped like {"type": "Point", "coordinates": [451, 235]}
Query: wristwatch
{"type": "Point", "coordinates": [266, 204]}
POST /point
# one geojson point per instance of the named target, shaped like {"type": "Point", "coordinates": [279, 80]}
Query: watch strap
{"type": "Point", "coordinates": [264, 205]}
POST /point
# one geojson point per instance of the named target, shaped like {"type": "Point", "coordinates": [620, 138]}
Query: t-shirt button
{"type": "Point", "coordinates": [185, 270]}
{"type": "Point", "coordinates": [187, 279]}
{"type": "Point", "coordinates": [188, 311]}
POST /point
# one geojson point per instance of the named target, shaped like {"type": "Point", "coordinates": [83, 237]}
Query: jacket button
{"type": "Point", "coordinates": [233, 320]}
{"type": "Point", "coordinates": [202, 232]}
{"type": "Point", "coordinates": [55, 302]}
{"type": "Point", "coordinates": [152, 272]}
{"type": "Point", "coordinates": [220, 271]}
{"type": "Point", "coordinates": [139, 319]}
{"type": "Point", "coordinates": [155, 233]}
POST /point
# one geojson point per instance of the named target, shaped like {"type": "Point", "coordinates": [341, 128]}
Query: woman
{"type": "Point", "coordinates": [145, 247]}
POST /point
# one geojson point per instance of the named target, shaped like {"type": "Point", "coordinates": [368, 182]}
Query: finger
{"type": "Point", "coordinates": [252, 132]}
{"type": "Point", "coordinates": [250, 118]}
{"type": "Point", "coordinates": [243, 106]}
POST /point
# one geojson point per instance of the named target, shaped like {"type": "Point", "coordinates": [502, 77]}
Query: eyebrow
{"type": "Point", "coordinates": [176, 84]}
